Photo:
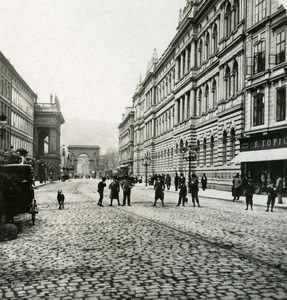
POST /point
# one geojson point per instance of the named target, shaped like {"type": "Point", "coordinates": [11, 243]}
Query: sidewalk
{"type": "Point", "coordinates": [260, 200]}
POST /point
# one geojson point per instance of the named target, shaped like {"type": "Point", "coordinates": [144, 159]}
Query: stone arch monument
{"type": "Point", "coordinates": [93, 154]}
{"type": "Point", "coordinates": [47, 134]}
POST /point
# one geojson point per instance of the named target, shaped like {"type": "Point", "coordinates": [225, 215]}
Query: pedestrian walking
{"type": "Point", "coordinates": [194, 189]}
{"type": "Point", "coordinates": [279, 189]}
{"type": "Point", "coordinates": [115, 189]}
{"type": "Point", "coordinates": [176, 178]}
{"type": "Point", "coordinates": [182, 194]}
{"type": "Point", "coordinates": [181, 179]}
{"type": "Point", "coordinates": [127, 186]}
{"type": "Point", "coordinates": [236, 187]}
{"type": "Point", "coordinates": [101, 186]}
{"type": "Point", "coordinates": [203, 181]}
{"type": "Point", "coordinates": [249, 191]}
{"type": "Point", "coordinates": [271, 192]}
{"type": "Point", "coordinates": [168, 181]}
{"type": "Point", "coordinates": [159, 190]}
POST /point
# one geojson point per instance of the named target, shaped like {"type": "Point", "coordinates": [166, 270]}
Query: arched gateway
{"type": "Point", "coordinates": [84, 159]}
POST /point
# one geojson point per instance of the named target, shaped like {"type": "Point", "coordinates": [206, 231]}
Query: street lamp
{"type": "Point", "coordinates": [189, 155]}
{"type": "Point", "coordinates": [146, 162]}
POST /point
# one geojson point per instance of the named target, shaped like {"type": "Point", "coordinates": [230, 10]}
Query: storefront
{"type": "Point", "coordinates": [263, 158]}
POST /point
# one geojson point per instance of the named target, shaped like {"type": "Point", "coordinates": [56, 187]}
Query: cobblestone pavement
{"type": "Point", "coordinates": [218, 251]}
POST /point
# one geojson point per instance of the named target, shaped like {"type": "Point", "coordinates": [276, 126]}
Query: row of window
{"type": "Point", "coordinates": [259, 106]}
{"type": "Point", "coordinates": [20, 123]}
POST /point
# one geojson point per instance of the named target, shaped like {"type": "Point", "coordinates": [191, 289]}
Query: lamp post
{"type": "Point", "coordinates": [146, 162]}
{"type": "Point", "coordinates": [189, 155]}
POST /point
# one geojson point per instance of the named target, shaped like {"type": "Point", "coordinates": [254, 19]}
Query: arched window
{"type": "Point", "coordinates": [258, 109]}
{"type": "Point", "coordinates": [224, 147]}
{"type": "Point", "coordinates": [236, 13]}
{"type": "Point", "coordinates": [207, 98]}
{"type": "Point", "coordinates": [204, 152]}
{"type": "Point", "coordinates": [228, 19]}
{"type": "Point", "coordinates": [214, 93]}
{"type": "Point", "coordinates": [227, 83]}
{"type": "Point", "coordinates": [215, 38]}
{"type": "Point", "coordinates": [232, 143]}
{"type": "Point", "coordinates": [199, 101]}
{"type": "Point", "coordinates": [200, 54]}
{"type": "Point", "coordinates": [198, 153]}
{"type": "Point", "coordinates": [211, 150]}
{"type": "Point", "coordinates": [207, 46]}
{"type": "Point", "coordinates": [235, 77]}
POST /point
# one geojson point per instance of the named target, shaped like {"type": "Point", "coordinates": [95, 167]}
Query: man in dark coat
{"type": "Point", "coordinates": [115, 189]}
{"type": "Point", "coordinates": [182, 194]}
{"type": "Point", "coordinates": [126, 186]}
{"type": "Point", "coordinates": [168, 181]}
{"type": "Point", "coordinates": [176, 178]}
{"type": "Point", "coordinates": [194, 189]}
{"type": "Point", "coordinates": [101, 186]}
{"type": "Point", "coordinates": [204, 181]}
{"type": "Point", "coordinates": [159, 188]}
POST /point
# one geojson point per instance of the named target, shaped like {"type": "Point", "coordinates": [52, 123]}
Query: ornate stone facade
{"type": "Point", "coordinates": [195, 93]}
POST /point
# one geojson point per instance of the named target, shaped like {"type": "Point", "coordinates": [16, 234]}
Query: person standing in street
{"type": "Point", "coordinates": [127, 186]}
{"type": "Point", "coordinates": [279, 189]}
{"type": "Point", "coordinates": [101, 186]}
{"type": "Point", "coordinates": [250, 190]}
{"type": "Point", "coordinates": [237, 182]}
{"type": "Point", "coordinates": [176, 181]}
{"type": "Point", "coordinates": [182, 194]}
{"type": "Point", "coordinates": [168, 181]}
{"type": "Point", "coordinates": [115, 189]}
{"type": "Point", "coordinates": [194, 189]}
{"type": "Point", "coordinates": [159, 190]}
{"type": "Point", "coordinates": [204, 181]}
{"type": "Point", "coordinates": [271, 192]}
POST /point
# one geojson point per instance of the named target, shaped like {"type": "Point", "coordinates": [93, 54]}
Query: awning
{"type": "Point", "coordinates": [261, 155]}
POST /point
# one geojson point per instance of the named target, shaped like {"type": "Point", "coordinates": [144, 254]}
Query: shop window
{"type": "Point", "coordinates": [259, 57]}
{"type": "Point", "coordinates": [281, 104]}
{"type": "Point", "coordinates": [258, 109]}
{"type": "Point", "coordinates": [280, 47]}
{"type": "Point", "coordinates": [260, 10]}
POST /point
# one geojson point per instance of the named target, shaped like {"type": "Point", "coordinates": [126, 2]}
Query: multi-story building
{"type": "Point", "coordinates": [264, 141]}
{"type": "Point", "coordinates": [126, 140]}
{"type": "Point", "coordinates": [201, 93]}
{"type": "Point", "coordinates": [17, 110]}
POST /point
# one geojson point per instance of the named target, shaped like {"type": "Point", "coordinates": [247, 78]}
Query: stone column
{"type": "Point", "coordinates": [192, 102]}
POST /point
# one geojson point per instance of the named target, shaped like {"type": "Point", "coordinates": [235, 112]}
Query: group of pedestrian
{"type": "Point", "coordinates": [125, 183]}
{"type": "Point", "coordinates": [246, 187]}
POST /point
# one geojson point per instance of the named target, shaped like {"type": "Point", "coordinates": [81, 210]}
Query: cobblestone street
{"type": "Point", "coordinates": [217, 251]}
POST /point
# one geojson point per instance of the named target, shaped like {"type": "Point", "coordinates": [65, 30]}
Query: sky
{"type": "Point", "coordinates": [88, 52]}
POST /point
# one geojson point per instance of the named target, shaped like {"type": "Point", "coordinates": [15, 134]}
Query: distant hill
{"type": "Point", "coordinates": [87, 132]}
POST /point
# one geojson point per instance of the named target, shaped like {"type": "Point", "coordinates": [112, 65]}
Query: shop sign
{"type": "Point", "coordinates": [267, 143]}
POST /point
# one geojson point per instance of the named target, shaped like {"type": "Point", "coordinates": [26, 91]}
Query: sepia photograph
{"type": "Point", "coordinates": [143, 149]}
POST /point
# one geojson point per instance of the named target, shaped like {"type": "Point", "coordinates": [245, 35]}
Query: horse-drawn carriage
{"type": "Point", "coordinates": [17, 191]}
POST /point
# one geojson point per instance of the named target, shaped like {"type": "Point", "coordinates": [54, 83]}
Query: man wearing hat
{"type": "Point", "coordinates": [159, 188]}
{"type": "Point", "coordinates": [250, 190]}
